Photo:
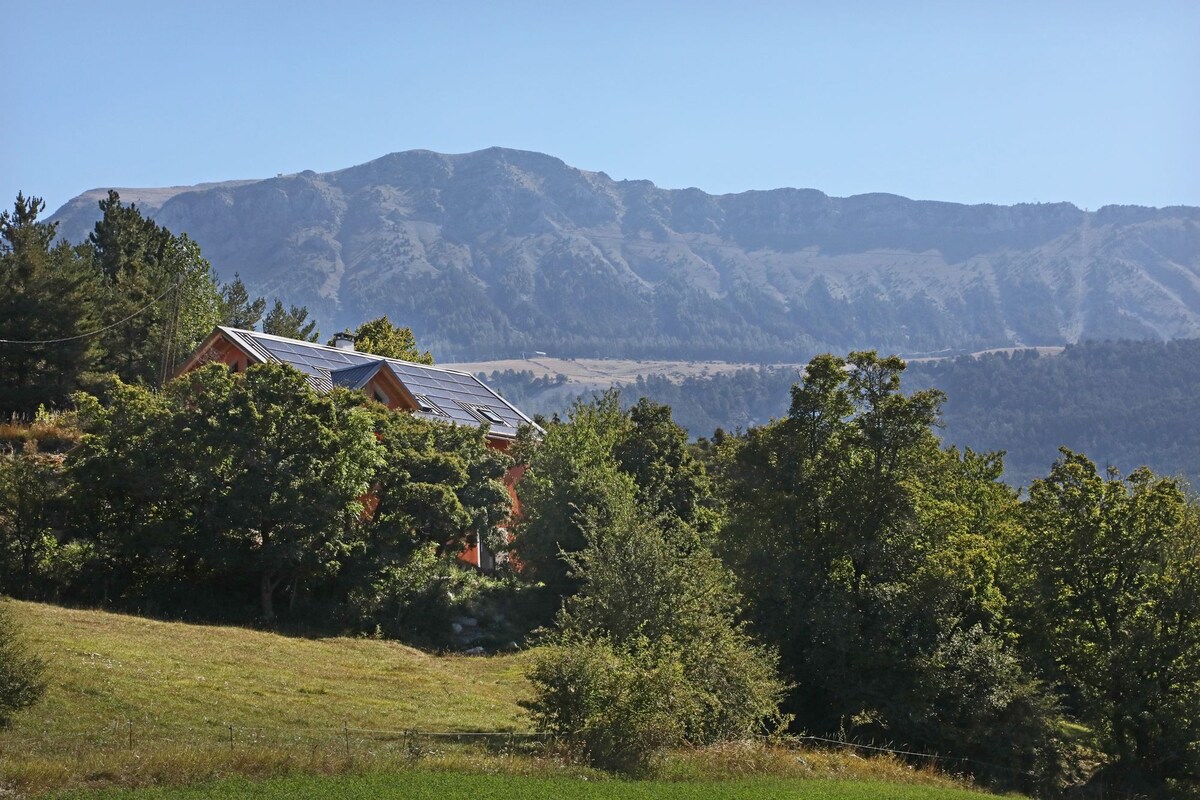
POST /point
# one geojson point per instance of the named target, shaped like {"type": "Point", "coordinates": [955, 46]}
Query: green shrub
{"type": "Point", "coordinates": [622, 706]}
{"type": "Point", "coordinates": [648, 654]}
{"type": "Point", "coordinates": [21, 674]}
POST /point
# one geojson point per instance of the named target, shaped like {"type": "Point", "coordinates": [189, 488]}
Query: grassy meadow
{"type": "Point", "coordinates": [419, 785]}
{"type": "Point", "coordinates": [139, 707]}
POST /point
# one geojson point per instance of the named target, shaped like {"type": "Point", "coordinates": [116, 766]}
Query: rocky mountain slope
{"type": "Point", "coordinates": [491, 253]}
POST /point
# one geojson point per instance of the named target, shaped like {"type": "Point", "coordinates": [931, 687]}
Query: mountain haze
{"type": "Point", "coordinates": [491, 253]}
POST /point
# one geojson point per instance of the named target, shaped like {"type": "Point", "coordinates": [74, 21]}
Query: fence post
{"type": "Point", "coordinates": [130, 722]}
{"type": "Point", "coordinates": [231, 738]}
{"type": "Point", "coordinates": [346, 732]}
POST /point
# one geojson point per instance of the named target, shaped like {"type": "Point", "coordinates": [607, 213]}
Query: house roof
{"type": "Point", "coordinates": [444, 395]}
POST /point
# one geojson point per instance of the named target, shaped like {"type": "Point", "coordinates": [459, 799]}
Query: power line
{"type": "Point", "coordinates": [141, 310]}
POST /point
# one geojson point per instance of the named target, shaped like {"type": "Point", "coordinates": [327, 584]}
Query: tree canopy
{"type": "Point", "coordinates": [380, 337]}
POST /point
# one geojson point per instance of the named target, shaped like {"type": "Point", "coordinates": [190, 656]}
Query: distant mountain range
{"type": "Point", "coordinates": [492, 253]}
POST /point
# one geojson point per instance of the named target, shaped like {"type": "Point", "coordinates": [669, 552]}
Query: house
{"type": "Point", "coordinates": [433, 393]}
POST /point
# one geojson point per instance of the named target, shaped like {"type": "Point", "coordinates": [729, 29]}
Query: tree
{"type": "Point", "coordinates": [868, 555]}
{"type": "Point", "coordinates": [292, 323]}
{"type": "Point", "coordinates": [31, 489]}
{"type": "Point", "coordinates": [251, 475]}
{"type": "Point", "coordinates": [44, 307]}
{"type": "Point", "coordinates": [585, 465]}
{"type": "Point", "coordinates": [437, 484]}
{"type": "Point", "coordinates": [160, 297]}
{"type": "Point", "coordinates": [294, 467]}
{"type": "Point", "coordinates": [1112, 570]}
{"type": "Point", "coordinates": [648, 654]}
{"type": "Point", "coordinates": [654, 452]}
{"type": "Point", "coordinates": [438, 489]}
{"type": "Point", "coordinates": [380, 337]}
{"type": "Point", "coordinates": [571, 476]}
{"type": "Point", "coordinates": [22, 680]}
{"type": "Point", "coordinates": [237, 309]}
{"type": "Point", "coordinates": [133, 516]}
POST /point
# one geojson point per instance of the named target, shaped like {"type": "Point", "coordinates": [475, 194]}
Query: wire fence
{"type": "Point", "coordinates": [347, 741]}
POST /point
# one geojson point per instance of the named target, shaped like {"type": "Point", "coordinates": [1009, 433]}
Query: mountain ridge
{"type": "Point", "coordinates": [489, 253]}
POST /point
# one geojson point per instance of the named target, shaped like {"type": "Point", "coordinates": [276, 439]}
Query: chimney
{"type": "Point", "coordinates": [343, 341]}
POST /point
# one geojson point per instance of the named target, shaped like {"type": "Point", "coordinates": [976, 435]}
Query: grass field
{"type": "Point", "coordinates": [169, 678]}
{"type": "Point", "coordinates": [450, 786]}
{"type": "Point", "coordinates": [140, 704]}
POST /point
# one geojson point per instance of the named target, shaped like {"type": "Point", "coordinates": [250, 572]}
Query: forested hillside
{"type": "Point", "coordinates": [1126, 403]}
{"type": "Point", "coordinates": [1123, 403]}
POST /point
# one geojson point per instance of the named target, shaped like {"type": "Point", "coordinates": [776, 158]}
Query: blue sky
{"type": "Point", "coordinates": [1004, 102]}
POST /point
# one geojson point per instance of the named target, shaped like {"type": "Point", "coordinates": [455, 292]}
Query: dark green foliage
{"type": "Point", "coordinates": [408, 597]}
{"type": "Point", "coordinates": [44, 296]}
{"type": "Point", "coordinates": [254, 478]}
{"type": "Point", "coordinates": [1120, 402]}
{"type": "Point", "coordinates": [437, 490]}
{"type": "Point", "coordinates": [867, 554]}
{"type": "Point", "coordinates": [159, 298]}
{"type": "Point", "coordinates": [524, 388]}
{"type": "Point", "coordinates": [648, 653]}
{"type": "Point", "coordinates": [669, 480]}
{"type": "Point", "coordinates": [32, 488]}
{"type": "Point", "coordinates": [417, 599]}
{"type": "Point", "coordinates": [292, 323]}
{"type": "Point", "coordinates": [699, 404]}
{"type": "Point", "coordinates": [1110, 575]}
{"type": "Point", "coordinates": [228, 491]}
{"type": "Point", "coordinates": [571, 475]}
{"type": "Point", "coordinates": [584, 466]}
{"type": "Point", "coordinates": [22, 681]}
{"type": "Point", "coordinates": [1123, 403]}
{"type": "Point", "coordinates": [437, 483]}
{"type": "Point", "coordinates": [237, 309]}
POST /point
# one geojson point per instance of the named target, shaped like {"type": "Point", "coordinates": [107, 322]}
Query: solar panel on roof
{"type": "Point", "coordinates": [462, 398]}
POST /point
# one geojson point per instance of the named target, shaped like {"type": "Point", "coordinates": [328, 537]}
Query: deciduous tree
{"type": "Point", "coordinates": [649, 654]}
{"type": "Point", "coordinates": [380, 337]}
{"type": "Point", "coordinates": [868, 554]}
{"type": "Point", "coordinates": [1112, 569]}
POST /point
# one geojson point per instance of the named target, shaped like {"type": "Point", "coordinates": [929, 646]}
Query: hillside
{"type": "Point", "coordinates": [190, 682]}
{"type": "Point", "coordinates": [134, 702]}
{"type": "Point", "coordinates": [496, 252]}
{"type": "Point", "coordinates": [1121, 403]}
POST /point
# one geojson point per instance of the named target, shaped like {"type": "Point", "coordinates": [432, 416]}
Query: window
{"type": "Point", "coordinates": [488, 414]}
{"type": "Point", "coordinates": [427, 406]}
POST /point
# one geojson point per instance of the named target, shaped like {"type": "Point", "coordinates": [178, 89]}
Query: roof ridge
{"type": "Point", "coordinates": [363, 353]}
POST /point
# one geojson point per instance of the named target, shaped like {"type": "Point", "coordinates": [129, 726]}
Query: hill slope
{"type": "Point", "coordinates": [491, 253]}
{"type": "Point", "coordinates": [135, 702]}
{"type": "Point", "coordinates": [190, 682]}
